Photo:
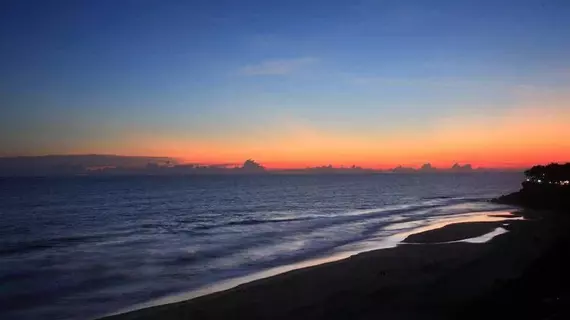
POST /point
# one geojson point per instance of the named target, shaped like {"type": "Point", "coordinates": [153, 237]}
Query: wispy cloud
{"type": "Point", "coordinates": [277, 67]}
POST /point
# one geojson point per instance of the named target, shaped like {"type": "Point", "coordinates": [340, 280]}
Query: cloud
{"type": "Point", "coordinates": [276, 67]}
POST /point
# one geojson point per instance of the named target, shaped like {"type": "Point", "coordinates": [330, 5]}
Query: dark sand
{"type": "Point", "coordinates": [454, 232]}
{"type": "Point", "coordinates": [521, 274]}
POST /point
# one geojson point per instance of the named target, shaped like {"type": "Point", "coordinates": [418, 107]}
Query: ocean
{"type": "Point", "coordinates": [83, 247]}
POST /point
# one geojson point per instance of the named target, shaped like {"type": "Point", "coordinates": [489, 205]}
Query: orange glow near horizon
{"type": "Point", "coordinates": [492, 157]}
{"type": "Point", "coordinates": [517, 139]}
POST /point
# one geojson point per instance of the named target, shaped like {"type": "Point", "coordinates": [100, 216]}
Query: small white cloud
{"type": "Point", "coordinates": [276, 67]}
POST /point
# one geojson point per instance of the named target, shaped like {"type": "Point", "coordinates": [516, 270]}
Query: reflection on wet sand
{"type": "Point", "coordinates": [381, 242]}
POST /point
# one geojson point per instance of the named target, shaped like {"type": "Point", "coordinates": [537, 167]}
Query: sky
{"type": "Point", "coordinates": [288, 83]}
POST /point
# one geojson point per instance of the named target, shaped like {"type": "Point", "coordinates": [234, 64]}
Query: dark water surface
{"type": "Point", "coordinates": [81, 247]}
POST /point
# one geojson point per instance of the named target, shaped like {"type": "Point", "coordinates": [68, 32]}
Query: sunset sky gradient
{"type": "Point", "coordinates": [289, 83]}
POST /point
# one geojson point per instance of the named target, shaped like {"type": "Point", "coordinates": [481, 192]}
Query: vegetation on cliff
{"type": "Point", "coordinates": [545, 187]}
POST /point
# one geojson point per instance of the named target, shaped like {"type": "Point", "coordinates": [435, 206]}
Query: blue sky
{"type": "Point", "coordinates": [104, 76]}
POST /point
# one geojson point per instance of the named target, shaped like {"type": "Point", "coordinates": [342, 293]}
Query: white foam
{"type": "Point", "coordinates": [381, 241]}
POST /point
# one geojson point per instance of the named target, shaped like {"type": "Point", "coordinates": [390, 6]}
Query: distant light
{"type": "Point", "coordinates": [539, 181]}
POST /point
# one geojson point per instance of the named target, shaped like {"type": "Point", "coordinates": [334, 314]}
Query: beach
{"type": "Point", "coordinates": [259, 159]}
{"type": "Point", "coordinates": [98, 246]}
{"type": "Point", "coordinates": [430, 275]}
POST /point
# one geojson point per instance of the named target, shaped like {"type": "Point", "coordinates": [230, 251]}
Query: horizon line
{"type": "Point", "coordinates": [274, 166]}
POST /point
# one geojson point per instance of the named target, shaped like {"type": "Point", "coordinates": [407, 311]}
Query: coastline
{"type": "Point", "coordinates": [453, 232]}
{"type": "Point", "coordinates": [429, 279]}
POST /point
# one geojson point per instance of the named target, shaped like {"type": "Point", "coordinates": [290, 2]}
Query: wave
{"type": "Point", "coordinates": [385, 210]}
{"type": "Point", "coordinates": [249, 222]}
{"type": "Point", "coordinates": [21, 247]}
{"type": "Point", "coordinates": [288, 243]}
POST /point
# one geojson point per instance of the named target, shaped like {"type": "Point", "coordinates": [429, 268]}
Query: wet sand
{"type": "Point", "coordinates": [453, 232]}
{"type": "Point", "coordinates": [426, 279]}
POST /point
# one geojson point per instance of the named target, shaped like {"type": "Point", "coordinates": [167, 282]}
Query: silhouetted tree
{"type": "Point", "coordinates": [546, 187]}
{"type": "Point", "coordinates": [553, 173]}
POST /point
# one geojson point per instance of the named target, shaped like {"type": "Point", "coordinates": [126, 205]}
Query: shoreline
{"type": "Point", "coordinates": [420, 260]}
{"type": "Point", "coordinates": [453, 232]}
{"type": "Point", "coordinates": [477, 236]}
